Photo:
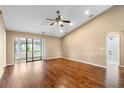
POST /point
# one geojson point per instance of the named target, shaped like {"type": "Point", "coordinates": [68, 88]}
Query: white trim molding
{"type": "Point", "coordinates": [1, 73]}
{"type": "Point", "coordinates": [85, 62]}
{"type": "Point", "coordinates": [53, 58]}
{"type": "Point", "coordinates": [71, 59]}
{"type": "Point", "coordinates": [121, 66]}
{"type": "Point", "coordinates": [10, 65]}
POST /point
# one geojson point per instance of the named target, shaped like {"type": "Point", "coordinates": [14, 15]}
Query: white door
{"type": "Point", "coordinates": [113, 48]}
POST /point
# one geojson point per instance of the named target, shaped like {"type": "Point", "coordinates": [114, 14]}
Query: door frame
{"type": "Point", "coordinates": [42, 49]}
{"type": "Point", "coordinates": [33, 50]}
{"type": "Point", "coordinates": [118, 35]}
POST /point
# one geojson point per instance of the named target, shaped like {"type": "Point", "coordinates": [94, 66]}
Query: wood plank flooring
{"type": "Point", "coordinates": [60, 73]}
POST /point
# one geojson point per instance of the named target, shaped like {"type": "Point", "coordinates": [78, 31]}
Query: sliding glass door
{"type": "Point", "coordinates": [20, 50]}
{"type": "Point", "coordinates": [28, 50]}
{"type": "Point", "coordinates": [37, 48]}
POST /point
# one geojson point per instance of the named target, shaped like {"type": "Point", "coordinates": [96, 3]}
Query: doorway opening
{"type": "Point", "coordinates": [113, 48]}
{"type": "Point", "coordinates": [28, 50]}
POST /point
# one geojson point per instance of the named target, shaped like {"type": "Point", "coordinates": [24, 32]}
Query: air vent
{"type": "Point", "coordinates": [43, 32]}
{"type": "Point", "coordinates": [91, 15]}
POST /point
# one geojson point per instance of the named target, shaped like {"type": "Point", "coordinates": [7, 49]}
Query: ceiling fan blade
{"type": "Point", "coordinates": [61, 16]}
{"type": "Point", "coordinates": [50, 19]}
{"type": "Point", "coordinates": [52, 24]}
{"type": "Point", "coordinates": [66, 21]}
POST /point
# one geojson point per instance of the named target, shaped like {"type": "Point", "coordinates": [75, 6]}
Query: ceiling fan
{"type": "Point", "coordinates": [58, 20]}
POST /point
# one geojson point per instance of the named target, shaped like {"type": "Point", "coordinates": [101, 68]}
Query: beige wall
{"type": "Point", "coordinates": [53, 45]}
{"type": "Point", "coordinates": [85, 42]}
{"type": "Point", "coordinates": [122, 48]}
{"type": "Point", "coordinates": [2, 45]}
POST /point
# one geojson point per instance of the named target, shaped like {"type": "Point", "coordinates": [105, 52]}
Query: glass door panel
{"type": "Point", "coordinates": [37, 49]}
{"type": "Point", "coordinates": [20, 50]}
{"type": "Point", "coordinates": [29, 56]}
{"type": "Point", "coordinates": [27, 50]}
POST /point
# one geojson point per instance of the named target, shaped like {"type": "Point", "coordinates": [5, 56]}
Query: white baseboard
{"type": "Point", "coordinates": [1, 73]}
{"type": "Point", "coordinates": [52, 58]}
{"type": "Point", "coordinates": [73, 60]}
{"type": "Point", "coordinates": [85, 62]}
{"type": "Point", "coordinates": [121, 66]}
{"type": "Point", "coordinates": [9, 65]}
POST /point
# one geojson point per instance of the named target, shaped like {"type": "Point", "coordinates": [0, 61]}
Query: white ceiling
{"type": "Point", "coordinates": [32, 18]}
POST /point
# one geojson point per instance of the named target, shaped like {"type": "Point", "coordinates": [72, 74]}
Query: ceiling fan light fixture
{"type": "Point", "coordinates": [55, 23]}
{"type": "Point", "coordinates": [60, 22]}
{"type": "Point", "coordinates": [61, 17]}
{"type": "Point", "coordinates": [71, 23]}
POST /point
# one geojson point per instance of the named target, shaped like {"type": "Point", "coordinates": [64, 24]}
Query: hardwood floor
{"type": "Point", "coordinates": [59, 73]}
